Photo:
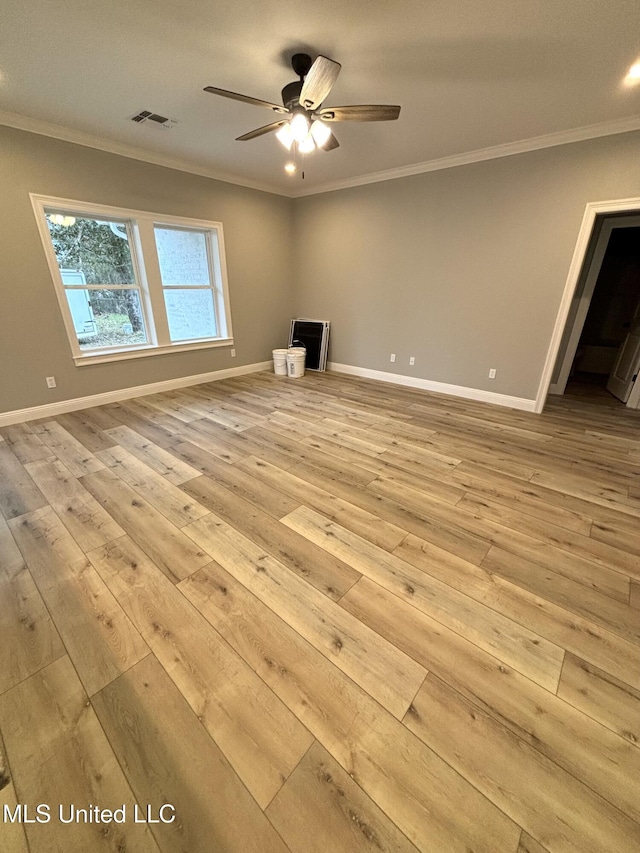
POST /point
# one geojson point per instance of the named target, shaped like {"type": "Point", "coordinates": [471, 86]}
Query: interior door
{"type": "Point", "coordinates": [627, 366]}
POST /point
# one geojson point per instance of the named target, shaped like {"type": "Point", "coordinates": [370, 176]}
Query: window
{"type": "Point", "coordinates": [131, 283]}
{"type": "Point", "coordinates": [186, 282]}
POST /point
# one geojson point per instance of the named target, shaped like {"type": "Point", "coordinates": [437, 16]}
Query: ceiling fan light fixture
{"type": "Point", "coordinates": [290, 168]}
{"type": "Point", "coordinates": [299, 126]}
{"type": "Point", "coordinates": [301, 120]}
{"type": "Point", "coordinates": [285, 136]}
{"type": "Point", "coordinates": [320, 133]}
{"type": "Point", "coordinates": [307, 145]}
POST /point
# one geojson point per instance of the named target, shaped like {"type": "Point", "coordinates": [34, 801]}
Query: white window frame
{"type": "Point", "coordinates": [144, 257]}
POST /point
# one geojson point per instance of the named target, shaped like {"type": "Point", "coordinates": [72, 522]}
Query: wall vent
{"type": "Point", "coordinates": [158, 120]}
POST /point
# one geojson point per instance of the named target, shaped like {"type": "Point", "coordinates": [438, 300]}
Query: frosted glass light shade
{"type": "Point", "coordinates": [299, 127]}
{"type": "Point", "coordinates": [307, 145]}
{"type": "Point", "coordinates": [285, 136]}
{"type": "Point", "coordinates": [320, 133]}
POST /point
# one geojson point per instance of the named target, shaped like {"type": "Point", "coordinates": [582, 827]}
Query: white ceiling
{"type": "Point", "coordinates": [468, 75]}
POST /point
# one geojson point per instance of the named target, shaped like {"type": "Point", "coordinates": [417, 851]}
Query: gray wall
{"type": "Point", "coordinates": [463, 268]}
{"type": "Point", "coordinates": [33, 342]}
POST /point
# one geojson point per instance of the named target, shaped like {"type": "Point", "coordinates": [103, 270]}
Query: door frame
{"type": "Point", "coordinates": [592, 210]}
{"type": "Point", "coordinates": [586, 296]}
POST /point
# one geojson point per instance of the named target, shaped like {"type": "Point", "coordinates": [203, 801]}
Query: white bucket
{"type": "Point", "coordinates": [280, 362]}
{"type": "Point", "coordinates": [295, 362]}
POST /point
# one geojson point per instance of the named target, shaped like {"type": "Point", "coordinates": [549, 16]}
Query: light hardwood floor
{"type": "Point", "coordinates": [322, 615]}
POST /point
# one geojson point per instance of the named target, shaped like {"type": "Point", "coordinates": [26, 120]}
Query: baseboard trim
{"type": "Point", "coordinates": [50, 410]}
{"type": "Point", "coordinates": [439, 387]}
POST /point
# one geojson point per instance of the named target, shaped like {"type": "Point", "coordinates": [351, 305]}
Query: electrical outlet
{"type": "Point", "coordinates": [233, 353]}
{"type": "Point", "coordinates": [51, 381]}
{"type": "Point", "coordinates": [393, 357]}
{"type": "Point", "coordinates": [492, 373]}
{"type": "Point", "coordinates": [412, 361]}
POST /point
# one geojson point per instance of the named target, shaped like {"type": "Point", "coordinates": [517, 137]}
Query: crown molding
{"type": "Point", "coordinates": [495, 152]}
{"type": "Point", "coordinates": [507, 149]}
{"type": "Point", "coordinates": [67, 134]}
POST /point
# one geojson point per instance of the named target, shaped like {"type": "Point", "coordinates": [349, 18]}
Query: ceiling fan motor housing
{"type": "Point", "coordinates": [301, 63]}
{"type": "Point", "coordinates": [291, 94]}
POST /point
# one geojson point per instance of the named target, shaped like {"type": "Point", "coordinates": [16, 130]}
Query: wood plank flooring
{"type": "Point", "coordinates": [322, 614]}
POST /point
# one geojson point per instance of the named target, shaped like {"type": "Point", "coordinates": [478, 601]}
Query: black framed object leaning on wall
{"type": "Point", "coordinates": [313, 335]}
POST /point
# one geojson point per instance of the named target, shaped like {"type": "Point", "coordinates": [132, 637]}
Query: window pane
{"type": "Point", "coordinates": [190, 314]}
{"type": "Point", "coordinates": [106, 318]}
{"type": "Point", "coordinates": [95, 250]}
{"type": "Point", "coordinates": [182, 256]}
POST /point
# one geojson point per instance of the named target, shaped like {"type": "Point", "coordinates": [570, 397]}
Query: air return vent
{"type": "Point", "coordinates": [158, 120]}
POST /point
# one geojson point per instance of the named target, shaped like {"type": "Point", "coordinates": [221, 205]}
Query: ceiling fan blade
{"type": "Point", "coordinates": [359, 112]}
{"type": "Point", "coordinates": [331, 143]}
{"type": "Point", "coordinates": [318, 82]}
{"type": "Point", "coordinates": [260, 131]}
{"type": "Point", "coordinates": [247, 99]}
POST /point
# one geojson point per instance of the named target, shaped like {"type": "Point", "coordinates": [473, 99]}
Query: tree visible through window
{"type": "Point", "coordinates": [99, 250]}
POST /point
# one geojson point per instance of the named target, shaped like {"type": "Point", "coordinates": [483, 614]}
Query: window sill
{"type": "Point", "coordinates": [142, 352]}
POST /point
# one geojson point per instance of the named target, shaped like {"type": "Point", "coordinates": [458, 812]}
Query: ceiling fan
{"type": "Point", "coordinates": [303, 116]}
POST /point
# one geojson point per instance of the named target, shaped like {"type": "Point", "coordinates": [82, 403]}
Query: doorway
{"type": "Point", "coordinates": [596, 342]}
{"type": "Point", "coordinates": [608, 347]}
